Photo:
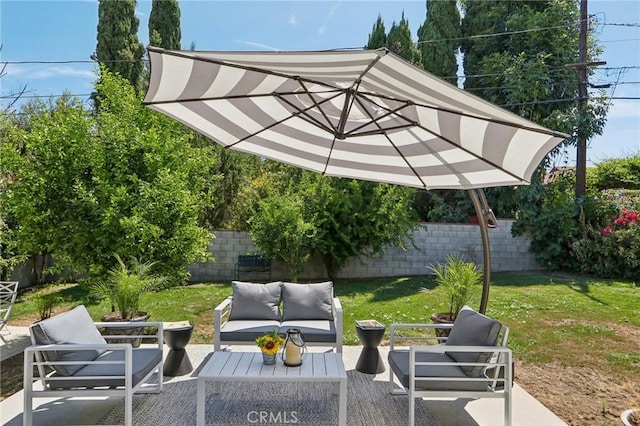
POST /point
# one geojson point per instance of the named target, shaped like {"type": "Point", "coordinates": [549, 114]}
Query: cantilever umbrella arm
{"type": "Point", "coordinates": [486, 219]}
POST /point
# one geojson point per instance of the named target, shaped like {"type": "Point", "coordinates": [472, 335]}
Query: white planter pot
{"type": "Point", "coordinates": [625, 417]}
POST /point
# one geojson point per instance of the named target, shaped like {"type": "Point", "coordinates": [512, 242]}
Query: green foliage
{"type": "Point", "coordinates": [378, 36]}
{"type": "Point", "coordinates": [45, 302]}
{"type": "Point", "coordinates": [400, 42]}
{"type": "Point", "coordinates": [610, 247]}
{"type": "Point", "coordinates": [46, 158]}
{"type": "Point", "coordinates": [147, 196]}
{"type": "Point", "coordinates": [118, 48]}
{"type": "Point", "coordinates": [344, 218]}
{"type": "Point", "coordinates": [615, 173]}
{"type": "Point", "coordinates": [523, 69]}
{"type": "Point", "coordinates": [598, 236]}
{"type": "Point", "coordinates": [126, 283]}
{"type": "Point", "coordinates": [280, 230]}
{"type": "Point", "coordinates": [164, 24]}
{"type": "Point", "coordinates": [459, 283]}
{"type": "Point", "coordinates": [356, 218]}
{"type": "Point", "coordinates": [553, 226]}
{"type": "Point", "coordinates": [81, 186]}
{"type": "Point", "coordinates": [438, 39]}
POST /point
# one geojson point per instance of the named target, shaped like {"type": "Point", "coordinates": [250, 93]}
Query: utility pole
{"type": "Point", "coordinates": [581, 154]}
{"type": "Point", "coordinates": [581, 68]}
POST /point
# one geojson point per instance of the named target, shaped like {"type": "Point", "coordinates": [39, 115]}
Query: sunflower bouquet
{"type": "Point", "coordinates": [270, 343]}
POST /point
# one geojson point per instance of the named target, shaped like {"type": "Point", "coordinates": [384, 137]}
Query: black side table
{"type": "Point", "coordinates": [176, 336]}
{"type": "Point", "coordinates": [370, 334]}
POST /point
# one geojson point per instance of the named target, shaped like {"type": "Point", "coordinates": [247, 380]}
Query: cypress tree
{"type": "Point", "coordinates": [400, 42]}
{"type": "Point", "coordinates": [438, 38]}
{"type": "Point", "coordinates": [164, 24]}
{"type": "Point", "coordinates": [378, 36]}
{"type": "Point", "coordinates": [118, 47]}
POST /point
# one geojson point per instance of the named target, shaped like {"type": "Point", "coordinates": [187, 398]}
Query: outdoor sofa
{"type": "Point", "coordinates": [255, 309]}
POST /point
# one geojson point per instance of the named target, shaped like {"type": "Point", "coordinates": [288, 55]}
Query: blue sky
{"type": "Point", "coordinates": [45, 31]}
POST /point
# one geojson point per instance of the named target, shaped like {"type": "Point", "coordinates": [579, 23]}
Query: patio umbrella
{"type": "Point", "coordinates": [359, 114]}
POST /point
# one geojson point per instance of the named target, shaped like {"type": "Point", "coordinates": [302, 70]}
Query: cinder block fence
{"type": "Point", "coordinates": [433, 243]}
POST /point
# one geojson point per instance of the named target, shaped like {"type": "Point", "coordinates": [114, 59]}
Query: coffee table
{"type": "Point", "coordinates": [248, 366]}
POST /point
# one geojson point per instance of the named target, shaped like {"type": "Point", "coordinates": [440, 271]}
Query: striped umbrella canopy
{"type": "Point", "coordinates": [360, 114]}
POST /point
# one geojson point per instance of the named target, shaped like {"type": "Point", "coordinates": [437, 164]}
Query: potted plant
{"type": "Point", "coordinates": [460, 282]}
{"type": "Point", "coordinates": [270, 344]}
{"type": "Point", "coordinates": [123, 287]}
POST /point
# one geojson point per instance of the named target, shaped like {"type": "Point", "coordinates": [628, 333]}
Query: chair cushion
{"type": "Point", "coordinates": [143, 361]}
{"type": "Point", "coordinates": [72, 327]}
{"type": "Point", "coordinates": [246, 330]}
{"type": "Point", "coordinates": [399, 364]}
{"type": "Point", "coordinates": [317, 331]}
{"type": "Point", "coordinates": [255, 301]}
{"type": "Point", "coordinates": [307, 301]}
{"type": "Point", "coordinates": [473, 329]}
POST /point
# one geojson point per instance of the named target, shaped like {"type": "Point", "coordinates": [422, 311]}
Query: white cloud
{"type": "Point", "coordinates": [259, 45]}
{"type": "Point", "coordinates": [293, 20]}
{"type": "Point", "coordinates": [59, 71]}
{"type": "Point", "coordinates": [330, 16]}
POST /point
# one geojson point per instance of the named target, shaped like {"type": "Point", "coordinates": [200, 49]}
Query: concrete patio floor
{"type": "Point", "coordinates": [527, 411]}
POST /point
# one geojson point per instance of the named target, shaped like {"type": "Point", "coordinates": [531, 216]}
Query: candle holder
{"type": "Point", "coordinates": [294, 348]}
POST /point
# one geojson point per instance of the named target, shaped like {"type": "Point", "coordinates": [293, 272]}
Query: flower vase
{"type": "Point", "coordinates": [268, 359]}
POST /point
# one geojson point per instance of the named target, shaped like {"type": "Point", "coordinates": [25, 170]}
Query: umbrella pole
{"type": "Point", "coordinates": [486, 220]}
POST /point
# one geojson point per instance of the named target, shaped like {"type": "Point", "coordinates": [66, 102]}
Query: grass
{"type": "Point", "coordinates": [570, 320]}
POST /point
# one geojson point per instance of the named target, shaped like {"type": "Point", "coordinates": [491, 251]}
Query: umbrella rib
{"type": "Point", "coordinates": [317, 104]}
{"type": "Point", "coordinates": [297, 113]}
{"type": "Point", "coordinates": [424, 185]}
{"type": "Point", "coordinates": [465, 114]}
{"type": "Point", "coordinates": [302, 113]}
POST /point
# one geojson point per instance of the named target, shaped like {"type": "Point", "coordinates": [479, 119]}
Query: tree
{"type": "Point", "coordinates": [118, 47]}
{"type": "Point", "coordinates": [164, 24]}
{"type": "Point", "coordinates": [519, 63]}
{"type": "Point", "coordinates": [378, 36]}
{"type": "Point", "coordinates": [147, 196]}
{"type": "Point", "coordinates": [280, 231]}
{"type": "Point", "coordinates": [46, 158]}
{"type": "Point", "coordinates": [347, 218]}
{"type": "Point", "coordinates": [439, 39]}
{"type": "Point", "coordinates": [400, 42]}
{"type": "Point", "coordinates": [83, 187]}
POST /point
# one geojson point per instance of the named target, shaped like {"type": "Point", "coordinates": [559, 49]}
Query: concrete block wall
{"type": "Point", "coordinates": [433, 243]}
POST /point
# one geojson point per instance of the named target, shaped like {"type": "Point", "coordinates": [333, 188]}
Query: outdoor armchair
{"type": "Point", "coordinates": [473, 362]}
{"type": "Point", "coordinates": [74, 360]}
{"type": "Point", "coordinates": [8, 294]}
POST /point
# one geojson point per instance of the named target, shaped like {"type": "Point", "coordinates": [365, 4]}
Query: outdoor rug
{"type": "Point", "coordinates": [246, 403]}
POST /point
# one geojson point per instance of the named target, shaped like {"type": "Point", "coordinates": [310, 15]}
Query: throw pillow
{"type": "Point", "coordinates": [307, 301]}
{"type": "Point", "coordinates": [255, 301]}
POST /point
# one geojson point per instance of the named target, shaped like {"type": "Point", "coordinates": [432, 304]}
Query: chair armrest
{"type": "Point", "coordinates": [338, 318]}
{"type": "Point", "coordinates": [220, 317]}
{"type": "Point", "coordinates": [394, 327]}
{"type": "Point", "coordinates": [127, 324]}
{"type": "Point", "coordinates": [40, 363]}
{"type": "Point", "coordinates": [502, 359]}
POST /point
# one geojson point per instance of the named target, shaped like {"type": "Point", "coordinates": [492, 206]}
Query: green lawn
{"type": "Point", "coordinates": [573, 321]}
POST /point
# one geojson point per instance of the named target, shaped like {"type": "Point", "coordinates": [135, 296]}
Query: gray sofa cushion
{"type": "Point", "coordinates": [307, 301]}
{"type": "Point", "coordinates": [246, 330]}
{"type": "Point", "coordinates": [399, 364]}
{"type": "Point", "coordinates": [144, 360]}
{"type": "Point", "coordinates": [473, 329]}
{"type": "Point", "coordinates": [72, 327]}
{"type": "Point", "coordinates": [317, 331]}
{"type": "Point", "coordinates": [255, 301]}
